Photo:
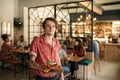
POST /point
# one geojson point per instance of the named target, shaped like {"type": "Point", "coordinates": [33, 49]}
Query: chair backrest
{"type": "Point", "coordinates": [101, 47]}
{"type": "Point", "coordinates": [89, 55]}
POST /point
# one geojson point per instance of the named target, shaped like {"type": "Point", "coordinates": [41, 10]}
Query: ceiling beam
{"type": "Point", "coordinates": [111, 3]}
{"type": "Point", "coordinates": [95, 8]}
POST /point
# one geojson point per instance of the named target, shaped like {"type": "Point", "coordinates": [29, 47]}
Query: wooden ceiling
{"type": "Point", "coordinates": [108, 5]}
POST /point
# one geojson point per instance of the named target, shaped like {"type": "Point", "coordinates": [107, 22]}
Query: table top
{"type": "Point", "coordinates": [76, 58]}
{"type": "Point", "coordinates": [20, 51]}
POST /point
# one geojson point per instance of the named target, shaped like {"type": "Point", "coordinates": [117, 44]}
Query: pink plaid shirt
{"type": "Point", "coordinates": [45, 53]}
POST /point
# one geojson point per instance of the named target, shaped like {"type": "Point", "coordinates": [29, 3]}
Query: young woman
{"type": "Point", "coordinates": [78, 48]}
{"type": "Point", "coordinates": [5, 48]}
{"type": "Point", "coordinates": [78, 51]}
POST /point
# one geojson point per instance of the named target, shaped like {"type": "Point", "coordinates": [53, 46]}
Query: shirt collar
{"type": "Point", "coordinates": [43, 39]}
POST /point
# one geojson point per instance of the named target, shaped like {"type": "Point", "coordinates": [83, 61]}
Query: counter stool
{"type": "Point", "coordinates": [84, 62]}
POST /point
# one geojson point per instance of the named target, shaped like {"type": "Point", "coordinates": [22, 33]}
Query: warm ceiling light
{"type": "Point", "coordinates": [6, 28]}
{"type": "Point", "coordinates": [94, 19]}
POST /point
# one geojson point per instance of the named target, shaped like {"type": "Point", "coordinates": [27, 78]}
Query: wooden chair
{"type": "Point", "coordinates": [14, 63]}
{"type": "Point", "coordinates": [67, 75]}
{"type": "Point", "coordinates": [3, 62]}
{"type": "Point", "coordinates": [31, 74]}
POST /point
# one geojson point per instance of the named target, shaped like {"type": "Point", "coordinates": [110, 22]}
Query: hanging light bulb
{"type": "Point", "coordinates": [81, 16]}
{"type": "Point", "coordinates": [89, 16]}
{"type": "Point", "coordinates": [78, 19]}
{"type": "Point", "coordinates": [86, 18]}
{"type": "Point", "coordinates": [94, 19]}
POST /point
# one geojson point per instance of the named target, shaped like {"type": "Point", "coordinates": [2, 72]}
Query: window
{"type": "Point", "coordinates": [36, 17]}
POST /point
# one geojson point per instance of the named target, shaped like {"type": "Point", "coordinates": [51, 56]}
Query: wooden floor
{"type": "Point", "coordinates": [109, 71]}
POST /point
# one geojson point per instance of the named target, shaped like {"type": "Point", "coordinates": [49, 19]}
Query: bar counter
{"type": "Point", "coordinates": [111, 52]}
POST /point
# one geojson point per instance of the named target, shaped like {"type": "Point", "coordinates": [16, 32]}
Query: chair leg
{"type": "Point", "coordinates": [95, 66]}
{"type": "Point", "coordinates": [14, 70]}
{"type": "Point", "coordinates": [29, 74]}
{"type": "Point", "coordinates": [99, 64]}
{"type": "Point", "coordinates": [3, 64]}
{"type": "Point", "coordinates": [83, 72]}
{"type": "Point", "coordinates": [96, 63]}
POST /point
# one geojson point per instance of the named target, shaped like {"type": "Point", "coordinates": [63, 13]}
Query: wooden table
{"type": "Point", "coordinates": [22, 55]}
{"type": "Point", "coordinates": [76, 58]}
{"type": "Point", "coordinates": [20, 51]}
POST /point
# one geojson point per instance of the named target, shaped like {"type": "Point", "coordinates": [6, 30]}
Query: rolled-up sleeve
{"type": "Point", "coordinates": [33, 48]}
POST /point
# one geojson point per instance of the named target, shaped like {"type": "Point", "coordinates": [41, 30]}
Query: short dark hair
{"type": "Point", "coordinates": [51, 19]}
{"type": "Point", "coordinates": [90, 37]}
{"type": "Point", "coordinates": [78, 40]}
{"type": "Point", "coordinates": [4, 37]}
{"type": "Point", "coordinates": [109, 37]}
{"type": "Point", "coordinates": [21, 36]}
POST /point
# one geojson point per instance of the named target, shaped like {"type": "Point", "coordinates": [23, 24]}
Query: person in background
{"type": "Point", "coordinates": [94, 47]}
{"type": "Point", "coordinates": [44, 49]}
{"type": "Point", "coordinates": [78, 51]}
{"type": "Point", "coordinates": [109, 39]}
{"type": "Point", "coordinates": [78, 48]}
{"type": "Point", "coordinates": [5, 48]}
{"type": "Point", "coordinates": [118, 39]}
{"type": "Point", "coordinates": [68, 42]}
{"type": "Point", "coordinates": [63, 46]}
{"type": "Point", "coordinates": [64, 57]}
{"type": "Point", "coordinates": [21, 43]}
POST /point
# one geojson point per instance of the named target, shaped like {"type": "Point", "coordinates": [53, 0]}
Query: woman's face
{"type": "Point", "coordinates": [76, 43]}
{"type": "Point", "coordinates": [88, 39]}
{"type": "Point", "coordinates": [8, 39]}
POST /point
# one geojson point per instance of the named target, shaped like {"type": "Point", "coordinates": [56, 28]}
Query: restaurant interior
{"type": "Point", "coordinates": [76, 19]}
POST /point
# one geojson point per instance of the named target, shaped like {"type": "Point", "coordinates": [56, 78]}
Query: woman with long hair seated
{"type": "Point", "coordinates": [78, 51]}
{"type": "Point", "coordinates": [5, 48]}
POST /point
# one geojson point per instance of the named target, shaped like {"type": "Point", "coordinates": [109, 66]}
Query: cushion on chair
{"type": "Point", "coordinates": [85, 62]}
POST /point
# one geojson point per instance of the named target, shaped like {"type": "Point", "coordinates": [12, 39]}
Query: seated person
{"type": "Point", "coordinates": [63, 57]}
{"type": "Point", "coordinates": [5, 48]}
{"type": "Point", "coordinates": [68, 43]}
{"type": "Point", "coordinates": [22, 43]}
{"type": "Point", "coordinates": [78, 48]}
{"type": "Point", "coordinates": [78, 51]}
{"type": "Point", "coordinates": [94, 47]}
{"type": "Point", "coordinates": [63, 46]}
